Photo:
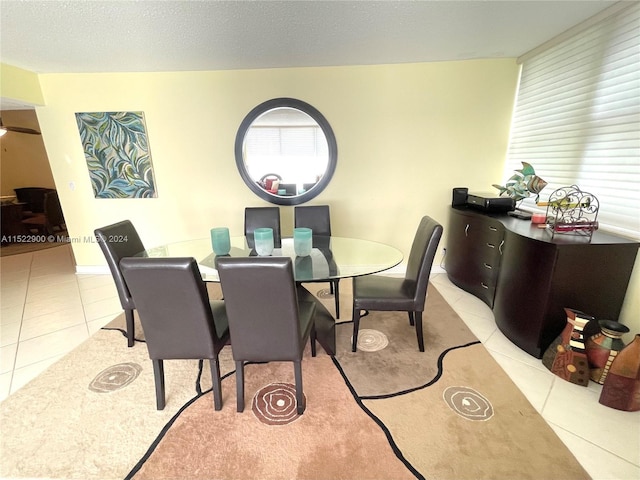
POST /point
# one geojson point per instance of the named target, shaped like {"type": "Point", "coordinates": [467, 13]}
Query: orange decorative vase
{"type": "Point", "coordinates": [603, 347]}
{"type": "Point", "coordinates": [566, 357]}
{"type": "Point", "coordinates": [621, 388]}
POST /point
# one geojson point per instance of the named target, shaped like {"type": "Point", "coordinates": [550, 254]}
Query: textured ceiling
{"type": "Point", "coordinates": [74, 36]}
{"type": "Point", "coordinates": [148, 35]}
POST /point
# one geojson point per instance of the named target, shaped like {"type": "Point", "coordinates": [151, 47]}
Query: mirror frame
{"type": "Point", "coordinates": [328, 133]}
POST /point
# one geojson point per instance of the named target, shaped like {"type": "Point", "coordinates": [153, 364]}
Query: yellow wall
{"type": "Point", "coordinates": [23, 158]}
{"type": "Point", "coordinates": [19, 84]}
{"type": "Point", "coordinates": [406, 135]}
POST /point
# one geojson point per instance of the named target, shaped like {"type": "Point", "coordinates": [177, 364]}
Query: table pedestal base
{"type": "Point", "coordinates": [325, 323]}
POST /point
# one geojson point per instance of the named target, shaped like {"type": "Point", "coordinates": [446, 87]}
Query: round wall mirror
{"type": "Point", "coordinates": [286, 151]}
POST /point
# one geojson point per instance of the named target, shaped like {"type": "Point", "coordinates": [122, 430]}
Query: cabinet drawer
{"type": "Point", "coordinates": [485, 290]}
{"type": "Point", "coordinates": [488, 296]}
{"type": "Point", "coordinates": [490, 251]}
{"type": "Point", "coordinates": [490, 255]}
{"type": "Point", "coordinates": [494, 229]}
{"type": "Point", "coordinates": [489, 273]}
{"type": "Point", "coordinates": [474, 253]}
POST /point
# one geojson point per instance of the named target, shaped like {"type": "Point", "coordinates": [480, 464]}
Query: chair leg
{"type": "Point", "coordinates": [313, 340]}
{"type": "Point", "coordinates": [419, 331]}
{"type": "Point", "coordinates": [215, 381]}
{"type": "Point", "coordinates": [356, 326]}
{"type": "Point", "coordinates": [336, 296]}
{"type": "Point", "coordinates": [131, 327]}
{"type": "Point", "coordinates": [158, 375]}
{"type": "Point", "coordinates": [240, 385]}
{"type": "Point", "coordinates": [411, 321]}
{"type": "Point", "coordinates": [297, 367]}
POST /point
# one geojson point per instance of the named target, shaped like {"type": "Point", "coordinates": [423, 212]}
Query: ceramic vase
{"type": "Point", "coordinates": [621, 389]}
{"type": "Point", "coordinates": [603, 347]}
{"type": "Point", "coordinates": [566, 357]}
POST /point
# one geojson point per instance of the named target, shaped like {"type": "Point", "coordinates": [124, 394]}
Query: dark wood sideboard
{"type": "Point", "coordinates": [527, 277]}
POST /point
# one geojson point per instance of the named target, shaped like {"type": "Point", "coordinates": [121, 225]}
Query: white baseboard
{"type": "Point", "coordinates": [92, 270]}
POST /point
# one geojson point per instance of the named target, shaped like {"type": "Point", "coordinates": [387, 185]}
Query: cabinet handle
{"type": "Point", "coordinates": [486, 265]}
{"type": "Point", "coordinates": [491, 245]}
{"type": "Point", "coordinates": [484, 285]}
{"type": "Point", "coordinates": [493, 229]}
{"type": "Point", "coordinates": [466, 229]}
{"type": "Point", "coordinates": [500, 247]}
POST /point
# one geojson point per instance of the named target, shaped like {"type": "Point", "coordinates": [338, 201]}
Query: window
{"type": "Point", "coordinates": [577, 115]}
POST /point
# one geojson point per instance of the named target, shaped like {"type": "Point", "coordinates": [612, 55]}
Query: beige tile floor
{"type": "Point", "coordinates": [47, 310]}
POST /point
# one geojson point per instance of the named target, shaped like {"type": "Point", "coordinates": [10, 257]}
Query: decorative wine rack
{"type": "Point", "coordinates": [572, 211]}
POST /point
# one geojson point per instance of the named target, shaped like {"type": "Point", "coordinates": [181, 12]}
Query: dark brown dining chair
{"type": "Point", "coordinates": [116, 242]}
{"type": "Point", "coordinates": [318, 219]}
{"type": "Point", "coordinates": [408, 294]}
{"type": "Point", "coordinates": [267, 322]}
{"type": "Point", "coordinates": [178, 319]}
{"type": "Point", "coordinates": [262, 217]}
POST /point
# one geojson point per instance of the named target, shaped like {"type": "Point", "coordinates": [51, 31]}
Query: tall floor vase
{"type": "Point", "coordinates": [621, 389]}
{"type": "Point", "coordinates": [566, 357]}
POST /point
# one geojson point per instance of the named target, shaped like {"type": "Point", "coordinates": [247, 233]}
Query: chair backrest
{"type": "Point", "coordinates": [173, 305]}
{"type": "Point", "coordinates": [262, 217]}
{"type": "Point", "coordinates": [315, 217]}
{"type": "Point", "coordinates": [262, 308]}
{"type": "Point", "coordinates": [53, 209]}
{"type": "Point", "coordinates": [116, 242]}
{"type": "Point", "coordinates": [423, 251]}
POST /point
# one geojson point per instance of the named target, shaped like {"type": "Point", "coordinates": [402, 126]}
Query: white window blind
{"type": "Point", "coordinates": [577, 117]}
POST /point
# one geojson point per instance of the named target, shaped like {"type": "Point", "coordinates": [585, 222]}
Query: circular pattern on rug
{"type": "Point", "coordinates": [324, 293]}
{"type": "Point", "coordinates": [468, 403]}
{"type": "Point", "coordinates": [115, 377]}
{"type": "Point", "coordinates": [275, 404]}
{"type": "Point", "coordinates": [370, 340]}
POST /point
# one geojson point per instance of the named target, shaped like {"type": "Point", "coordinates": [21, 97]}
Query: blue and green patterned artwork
{"type": "Point", "coordinates": [117, 153]}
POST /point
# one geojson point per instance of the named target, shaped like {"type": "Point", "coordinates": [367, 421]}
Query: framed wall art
{"type": "Point", "coordinates": [117, 152]}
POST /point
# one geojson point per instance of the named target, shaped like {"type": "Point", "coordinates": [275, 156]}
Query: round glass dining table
{"type": "Point", "coordinates": [330, 258]}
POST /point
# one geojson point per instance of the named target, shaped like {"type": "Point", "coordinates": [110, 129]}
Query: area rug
{"type": "Point", "coordinates": [386, 411]}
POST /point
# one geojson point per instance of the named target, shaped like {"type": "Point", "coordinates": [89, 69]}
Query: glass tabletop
{"type": "Point", "coordinates": [331, 257]}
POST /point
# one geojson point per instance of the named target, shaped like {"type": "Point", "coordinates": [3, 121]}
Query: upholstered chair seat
{"type": "Point", "coordinates": [408, 294]}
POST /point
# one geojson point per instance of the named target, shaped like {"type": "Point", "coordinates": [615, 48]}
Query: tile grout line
{"type": "Point", "coordinates": [84, 310]}
{"type": "Point", "coordinates": [24, 306]}
{"type": "Point", "coordinates": [22, 319]}
{"type": "Point", "coordinates": [595, 445]}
